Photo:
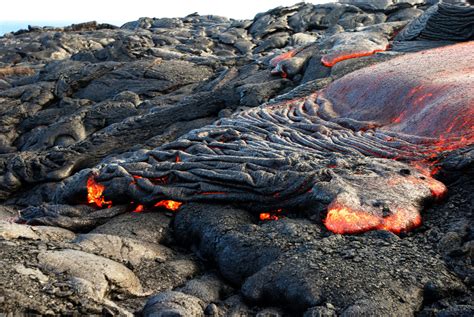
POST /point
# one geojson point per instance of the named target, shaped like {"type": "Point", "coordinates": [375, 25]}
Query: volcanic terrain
{"type": "Point", "coordinates": [317, 160]}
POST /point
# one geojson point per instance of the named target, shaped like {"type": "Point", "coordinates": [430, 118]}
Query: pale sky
{"type": "Point", "coordinates": [121, 11]}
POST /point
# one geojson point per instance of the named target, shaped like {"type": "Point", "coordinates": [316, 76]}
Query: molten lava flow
{"type": "Point", "coordinates": [267, 216]}
{"type": "Point", "coordinates": [270, 215]}
{"type": "Point", "coordinates": [274, 61]}
{"type": "Point", "coordinates": [94, 193]}
{"type": "Point", "coordinates": [169, 204]}
{"type": "Point", "coordinates": [342, 219]}
{"type": "Point", "coordinates": [139, 208]}
{"type": "Point", "coordinates": [401, 220]}
{"type": "Point", "coordinates": [438, 189]}
{"type": "Point", "coordinates": [330, 61]}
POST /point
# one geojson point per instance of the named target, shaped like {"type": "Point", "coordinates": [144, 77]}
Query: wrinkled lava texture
{"type": "Point", "coordinates": [364, 146]}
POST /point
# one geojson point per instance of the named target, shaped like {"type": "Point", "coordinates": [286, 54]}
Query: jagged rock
{"type": "Point", "coordinates": [299, 39]}
{"type": "Point", "coordinates": [381, 4]}
{"type": "Point", "coordinates": [404, 14]}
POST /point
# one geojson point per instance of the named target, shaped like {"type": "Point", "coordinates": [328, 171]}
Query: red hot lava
{"type": "Point", "coordinates": [139, 208]}
{"type": "Point", "coordinates": [95, 196]}
{"type": "Point", "coordinates": [94, 193]}
{"type": "Point", "coordinates": [272, 215]}
{"type": "Point", "coordinates": [342, 219]}
{"type": "Point", "coordinates": [331, 60]}
{"type": "Point", "coordinates": [275, 62]}
{"type": "Point", "coordinates": [427, 99]}
{"type": "Point", "coordinates": [169, 204]}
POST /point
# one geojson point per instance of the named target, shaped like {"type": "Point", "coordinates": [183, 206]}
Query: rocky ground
{"type": "Point", "coordinates": [74, 97]}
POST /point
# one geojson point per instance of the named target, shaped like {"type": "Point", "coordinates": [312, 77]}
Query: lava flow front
{"type": "Point", "coordinates": [342, 219]}
{"type": "Point", "coordinates": [169, 204]}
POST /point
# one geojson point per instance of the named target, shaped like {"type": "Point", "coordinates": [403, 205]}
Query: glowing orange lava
{"type": "Point", "coordinates": [267, 216]}
{"type": "Point", "coordinates": [342, 219]}
{"type": "Point", "coordinates": [169, 204]}
{"type": "Point", "coordinates": [270, 215]}
{"type": "Point", "coordinates": [94, 193]}
{"type": "Point", "coordinates": [438, 189]}
{"type": "Point", "coordinates": [330, 61]}
{"type": "Point", "coordinates": [274, 61]}
{"type": "Point", "coordinates": [139, 208]}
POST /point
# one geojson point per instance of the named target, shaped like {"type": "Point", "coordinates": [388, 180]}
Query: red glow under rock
{"type": "Point", "coordinates": [270, 215]}
{"type": "Point", "coordinates": [139, 208]}
{"type": "Point", "coordinates": [169, 204]}
{"type": "Point", "coordinates": [267, 216]}
{"type": "Point", "coordinates": [160, 180]}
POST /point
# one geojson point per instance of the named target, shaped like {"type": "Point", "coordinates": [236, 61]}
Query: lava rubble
{"type": "Point", "coordinates": [316, 160]}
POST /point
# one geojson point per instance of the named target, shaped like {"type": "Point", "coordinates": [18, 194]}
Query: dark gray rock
{"type": "Point", "coordinates": [404, 14]}
{"type": "Point", "coordinates": [458, 310]}
{"type": "Point", "coordinates": [320, 311]}
{"type": "Point", "coordinates": [173, 304]}
{"type": "Point", "coordinates": [208, 288]}
{"type": "Point", "coordinates": [442, 22]}
{"type": "Point", "coordinates": [382, 4]}
{"type": "Point", "coordinates": [147, 227]}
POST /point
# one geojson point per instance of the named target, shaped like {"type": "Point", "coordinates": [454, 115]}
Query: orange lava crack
{"type": "Point", "coordinates": [330, 62]}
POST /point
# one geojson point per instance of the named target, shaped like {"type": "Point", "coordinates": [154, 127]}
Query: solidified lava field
{"type": "Point", "coordinates": [317, 160]}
